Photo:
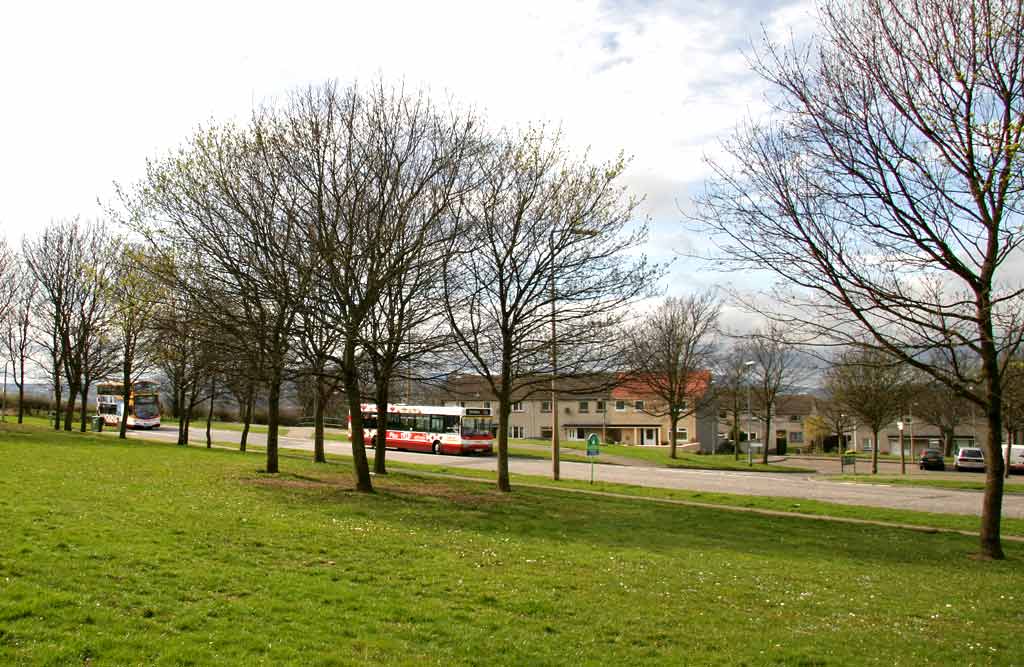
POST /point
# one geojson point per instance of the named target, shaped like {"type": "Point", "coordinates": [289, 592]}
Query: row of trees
{"type": "Point", "coordinates": [352, 236]}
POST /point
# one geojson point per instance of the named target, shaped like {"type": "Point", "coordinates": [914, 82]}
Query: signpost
{"type": "Point", "coordinates": [593, 449]}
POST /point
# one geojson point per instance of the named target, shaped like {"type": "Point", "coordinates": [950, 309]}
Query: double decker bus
{"type": "Point", "coordinates": [143, 407]}
{"type": "Point", "coordinates": [430, 428]}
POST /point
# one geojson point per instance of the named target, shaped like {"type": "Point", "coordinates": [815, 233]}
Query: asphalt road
{"type": "Point", "coordinates": [792, 485]}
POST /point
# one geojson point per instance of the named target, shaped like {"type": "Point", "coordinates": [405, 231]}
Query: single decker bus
{"type": "Point", "coordinates": [143, 405]}
{"type": "Point", "coordinates": [430, 428]}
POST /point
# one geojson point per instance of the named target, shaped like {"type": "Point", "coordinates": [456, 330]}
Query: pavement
{"type": "Point", "coordinates": [791, 485]}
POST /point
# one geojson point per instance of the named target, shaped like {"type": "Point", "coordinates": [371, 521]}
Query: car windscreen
{"type": "Point", "coordinates": [970, 452]}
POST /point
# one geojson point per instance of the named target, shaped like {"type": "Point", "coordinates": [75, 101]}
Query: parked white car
{"type": "Point", "coordinates": [1016, 460]}
{"type": "Point", "coordinates": [969, 458]}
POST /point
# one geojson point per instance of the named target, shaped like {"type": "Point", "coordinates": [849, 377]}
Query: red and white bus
{"type": "Point", "coordinates": [143, 410]}
{"type": "Point", "coordinates": [431, 428]}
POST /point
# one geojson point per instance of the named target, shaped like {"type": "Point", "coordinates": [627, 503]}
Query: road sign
{"type": "Point", "coordinates": [593, 444]}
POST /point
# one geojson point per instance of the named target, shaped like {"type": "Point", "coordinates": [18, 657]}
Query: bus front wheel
{"type": "Point", "coordinates": [437, 447]}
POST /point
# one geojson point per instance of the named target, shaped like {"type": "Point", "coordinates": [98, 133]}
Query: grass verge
{"type": "Point", "coordinates": [658, 456]}
{"type": "Point", "coordinates": [977, 484]}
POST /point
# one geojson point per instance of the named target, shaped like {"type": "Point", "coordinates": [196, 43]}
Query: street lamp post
{"type": "Point", "coordinates": [555, 472]}
{"type": "Point", "coordinates": [750, 456]}
{"type": "Point", "coordinates": [903, 462]}
{"type": "Point", "coordinates": [555, 468]}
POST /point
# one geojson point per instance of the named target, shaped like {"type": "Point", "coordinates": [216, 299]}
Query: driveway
{"type": "Point", "coordinates": [792, 485]}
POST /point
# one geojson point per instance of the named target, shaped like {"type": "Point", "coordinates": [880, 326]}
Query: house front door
{"type": "Point", "coordinates": [650, 436]}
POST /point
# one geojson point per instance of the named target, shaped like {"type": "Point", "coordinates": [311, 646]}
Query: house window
{"type": "Point", "coordinates": [545, 406]}
{"type": "Point", "coordinates": [620, 406]}
{"type": "Point", "coordinates": [683, 406]}
{"type": "Point", "coordinates": [638, 405]}
{"type": "Point", "coordinates": [462, 404]}
{"type": "Point", "coordinates": [682, 435]}
{"type": "Point", "coordinates": [518, 407]}
{"type": "Point", "coordinates": [517, 431]}
{"type": "Point", "coordinates": [866, 444]}
{"type": "Point", "coordinates": [796, 437]}
{"type": "Point", "coordinates": [600, 406]}
{"type": "Point", "coordinates": [584, 406]}
{"type": "Point", "coordinates": [794, 418]}
{"type": "Point", "coordinates": [545, 431]}
{"type": "Point", "coordinates": [487, 404]}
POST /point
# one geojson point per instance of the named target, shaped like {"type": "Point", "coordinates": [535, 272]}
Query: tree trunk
{"type": "Point", "coordinates": [273, 416]}
{"type": "Point", "coordinates": [184, 423]}
{"type": "Point", "coordinates": [319, 455]}
{"type": "Point", "coordinates": [85, 407]}
{"type": "Point", "coordinates": [209, 413]}
{"type": "Point", "coordinates": [674, 419]}
{"type": "Point", "coordinates": [360, 464]}
{"type": "Point", "coordinates": [947, 437]}
{"type": "Point", "coordinates": [381, 445]}
{"type": "Point", "coordinates": [250, 400]}
{"type": "Point", "coordinates": [504, 410]}
{"type": "Point", "coordinates": [56, 407]}
{"type": "Point", "coordinates": [126, 377]}
{"type": "Point", "coordinates": [874, 453]}
{"type": "Point", "coordinates": [768, 436]}
{"type": "Point", "coordinates": [69, 410]}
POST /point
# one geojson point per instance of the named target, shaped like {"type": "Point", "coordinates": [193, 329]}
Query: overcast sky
{"type": "Point", "coordinates": [91, 89]}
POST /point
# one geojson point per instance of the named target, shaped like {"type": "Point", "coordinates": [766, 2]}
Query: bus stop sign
{"type": "Point", "coordinates": [593, 443]}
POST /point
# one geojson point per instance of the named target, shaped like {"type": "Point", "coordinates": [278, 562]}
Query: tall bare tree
{"type": "Point", "coordinates": [671, 353]}
{"type": "Point", "coordinates": [19, 339]}
{"type": "Point", "coordinates": [543, 266]}
{"type": "Point", "coordinates": [732, 382]}
{"type": "Point", "coordinates": [134, 298]}
{"type": "Point", "coordinates": [225, 201]}
{"type": "Point", "coordinates": [777, 370]}
{"type": "Point", "coordinates": [887, 191]}
{"type": "Point", "coordinates": [375, 174]}
{"type": "Point", "coordinates": [873, 386]}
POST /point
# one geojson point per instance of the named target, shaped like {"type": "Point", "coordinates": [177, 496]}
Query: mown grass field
{"type": "Point", "coordinates": [140, 553]}
{"type": "Point", "coordinates": [576, 451]}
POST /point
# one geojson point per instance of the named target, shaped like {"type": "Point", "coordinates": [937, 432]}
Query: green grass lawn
{"type": "Point", "coordinates": [655, 455]}
{"type": "Point", "coordinates": [973, 482]}
{"type": "Point", "coordinates": [222, 426]}
{"type": "Point", "coordinates": [141, 553]}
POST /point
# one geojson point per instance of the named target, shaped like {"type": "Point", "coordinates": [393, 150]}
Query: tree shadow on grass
{"type": "Point", "coordinates": [577, 520]}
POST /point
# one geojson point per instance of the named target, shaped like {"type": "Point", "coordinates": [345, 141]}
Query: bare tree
{"type": "Point", "coordinates": [375, 175]}
{"type": "Point", "coordinates": [837, 416]}
{"type": "Point", "coordinates": [872, 385]}
{"type": "Point", "coordinates": [777, 370]}
{"type": "Point", "coordinates": [937, 404]}
{"type": "Point", "coordinates": [732, 381]}
{"type": "Point", "coordinates": [19, 340]}
{"type": "Point", "coordinates": [543, 267]}
{"type": "Point", "coordinates": [225, 201]}
{"type": "Point", "coordinates": [134, 297]}
{"type": "Point", "coordinates": [887, 191]}
{"type": "Point", "coordinates": [671, 352]}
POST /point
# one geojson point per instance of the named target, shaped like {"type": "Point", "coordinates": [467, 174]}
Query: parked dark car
{"type": "Point", "coordinates": [931, 459]}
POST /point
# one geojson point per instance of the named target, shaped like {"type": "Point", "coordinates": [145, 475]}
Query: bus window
{"type": "Point", "coordinates": [370, 420]}
{"type": "Point", "coordinates": [394, 421]}
{"type": "Point", "coordinates": [422, 423]}
{"type": "Point", "coordinates": [476, 426]}
{"type": "Point", "coordinates": [451, 423]}
{"type": "Point", "coordinates": [436, 424]}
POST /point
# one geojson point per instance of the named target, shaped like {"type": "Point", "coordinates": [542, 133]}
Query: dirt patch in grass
{"type": "Point", "coordinates": [456, 494]}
